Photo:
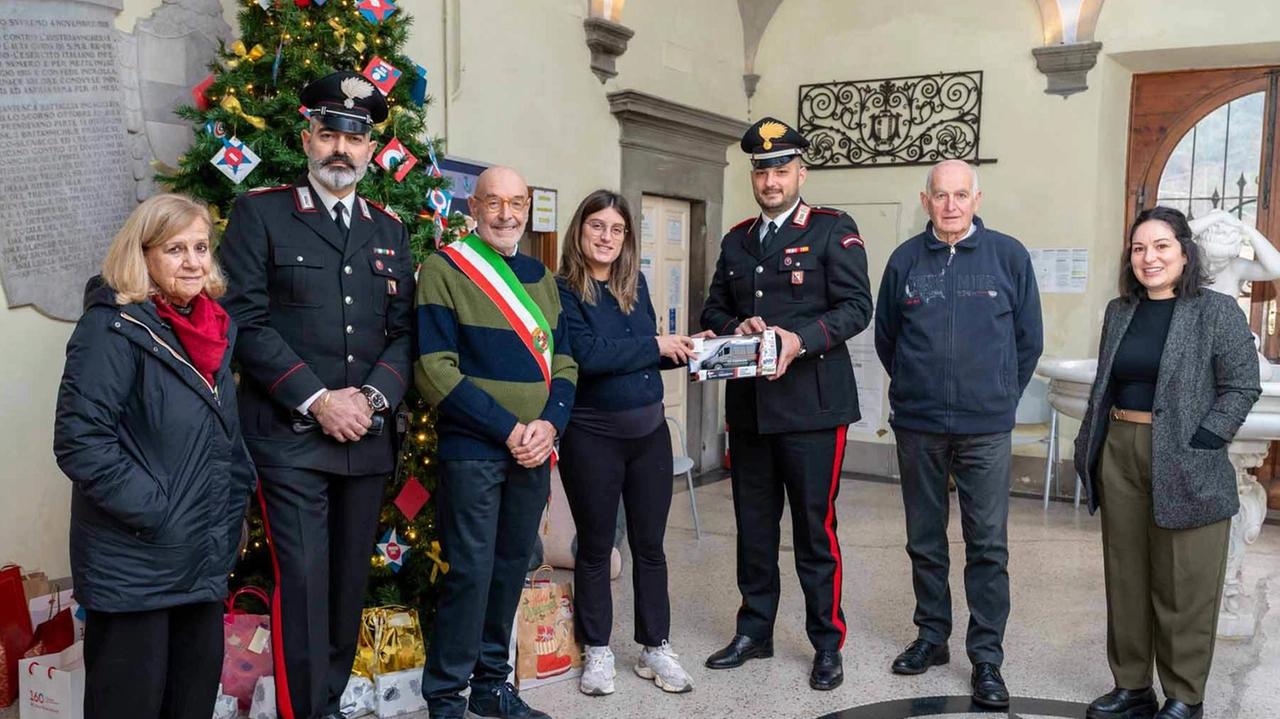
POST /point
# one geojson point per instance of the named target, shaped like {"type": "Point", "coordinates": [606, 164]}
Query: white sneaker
{"type": "Point", "coordinates": [660, 665]}
{"type": "Point", "coordinates": [598, 674]}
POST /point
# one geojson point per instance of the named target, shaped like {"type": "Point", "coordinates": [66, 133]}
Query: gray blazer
{"type": "Point", "coordinates": [1208, 378]}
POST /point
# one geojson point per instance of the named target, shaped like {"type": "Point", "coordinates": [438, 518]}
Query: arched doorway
{"type": "Point", "coordinates": [1206, 140]}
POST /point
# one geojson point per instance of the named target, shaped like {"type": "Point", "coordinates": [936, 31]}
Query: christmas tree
{"type": "Point", "coordinates": [248, 124]}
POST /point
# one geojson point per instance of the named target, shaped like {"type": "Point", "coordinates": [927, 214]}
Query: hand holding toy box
{"type": "Point", "coordinates": [734, 356]}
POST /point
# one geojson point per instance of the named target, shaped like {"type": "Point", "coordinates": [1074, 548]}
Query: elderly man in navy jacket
{"type": "Point", "coordinates": [958, 329]}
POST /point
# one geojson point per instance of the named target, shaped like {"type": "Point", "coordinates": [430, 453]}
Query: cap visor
{"type": "Point", "coordinates": [343, 124]}
{"type": "Point", "coordinates": [773, 161]}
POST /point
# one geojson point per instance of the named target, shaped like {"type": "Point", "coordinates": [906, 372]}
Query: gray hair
{"type": "Point", "coordinates": [928, 180]}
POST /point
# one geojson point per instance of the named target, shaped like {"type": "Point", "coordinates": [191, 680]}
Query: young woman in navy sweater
{"type": "Point", "coordinates": [617, 445]}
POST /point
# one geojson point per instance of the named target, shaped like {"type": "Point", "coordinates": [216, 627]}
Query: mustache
{"type": "Point", "coordinates": [338, 157]}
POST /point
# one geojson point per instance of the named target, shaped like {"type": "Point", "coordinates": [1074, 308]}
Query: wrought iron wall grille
{"type": "Point", "coordinates": [898, 121]}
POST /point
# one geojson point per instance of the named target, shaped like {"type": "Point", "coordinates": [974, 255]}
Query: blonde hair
{"type": "Point", "coordinates": [154, 222]}
{"type": "Point", "coordinates": [624, 282]}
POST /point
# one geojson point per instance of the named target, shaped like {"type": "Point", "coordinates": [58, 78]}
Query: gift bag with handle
{"type": "Point", "coordinates": [52, 686]}
{"type": "Point", "coordinates": [546, 648]}
{"type": "Point", "coordinates": [15, 630]}
{"type": "Point", "coordinates": [247, 641]}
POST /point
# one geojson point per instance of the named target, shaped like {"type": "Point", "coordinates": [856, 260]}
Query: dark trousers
{"type": "Point", "coordinates": [598, 471]}
{"type": "Point", "coordinates": [980, 464]}
{"type": "Point", "coordinates": [160, 664]}
{"type": "Point", "coordinates": [1163, 585]}
{"type": "Point", "coordinates": [488, 513]}
{"type": "Point", "coordinates": [320, 528]}
{"type": "Point", "coordinates": [806, 466]}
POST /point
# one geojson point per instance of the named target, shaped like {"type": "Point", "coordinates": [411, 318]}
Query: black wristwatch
{"type": "Point", "coordinates": [376, 400]}
{"type": "Point", "coordinates": [803, 349]}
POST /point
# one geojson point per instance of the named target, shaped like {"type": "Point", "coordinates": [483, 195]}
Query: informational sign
{"type": "Point", "coordinates": [675, 286]}
{"type": "Point", "coordinates": [675, 231]}
{"type": "Point", "coordinates": [646, 229]}
{"type": "Point", "coordinates": [646, 267]}
{"type": "Point", "coordinates": [870, 378]}
{"type": "Point", "coordinates": [544, 210]}
{"type": "Point", "coordinates": [1062, 270]}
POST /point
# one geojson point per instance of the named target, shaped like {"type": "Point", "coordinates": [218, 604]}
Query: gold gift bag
{"type": "Point", "coordinates": [390, 641]}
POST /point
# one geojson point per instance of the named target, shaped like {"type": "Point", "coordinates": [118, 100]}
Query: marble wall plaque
{"type": "Point", "coordinates": [67, 185]}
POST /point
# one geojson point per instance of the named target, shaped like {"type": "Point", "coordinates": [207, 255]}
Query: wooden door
{"type": "Point", "coordinates": [664, 258]}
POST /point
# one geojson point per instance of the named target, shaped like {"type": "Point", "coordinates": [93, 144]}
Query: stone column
{"type": "Point", "coordinates": [1239, 614]}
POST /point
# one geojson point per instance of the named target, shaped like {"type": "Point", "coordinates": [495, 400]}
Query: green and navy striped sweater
{"type": "Point", "coordinates": [474, 367]}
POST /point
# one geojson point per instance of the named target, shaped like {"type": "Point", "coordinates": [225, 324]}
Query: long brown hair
{"type": "Point", "coordinates": [624, 274]}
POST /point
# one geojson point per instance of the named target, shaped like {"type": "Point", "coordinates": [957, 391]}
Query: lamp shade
{"type": "Point", "coordinates": [610, 10]}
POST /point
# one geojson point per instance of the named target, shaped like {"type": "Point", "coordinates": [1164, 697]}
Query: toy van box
{"type": "Point", "coordinates": [734, 356]}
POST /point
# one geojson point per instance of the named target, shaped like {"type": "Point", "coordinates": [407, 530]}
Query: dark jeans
{"type": "Point", "coordinates": [488, 513]}
{"type": "Point", "coordinates": [597, 472]}
{"type": "Point", "coordinates": [980, 464]}
{"type": "Point", "coordinates": [160, 664]}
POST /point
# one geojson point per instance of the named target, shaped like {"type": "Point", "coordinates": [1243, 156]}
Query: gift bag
{"type": "Point", "coordinates": [15, 631]}
{"type": "Point", "coordinates": [52, 686]}
{"type": "Point", "coordinates": [263, 705]}
{"type": "Point", "coordinates": [53, 636]}
{"type": "Point", "coordinates": [546, 648]}
{"type": "Point", "coordinates": [399, 693]}
{"type": "Point", "coordinates": [390, 641]}
{"type": "Point", "coordinates": [358, 699]}
{"type": "Point", "coordinates": [247, 643]}
{"type": "Point", "coordinates": [44, 605]}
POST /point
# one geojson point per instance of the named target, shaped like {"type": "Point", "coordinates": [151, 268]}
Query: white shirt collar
{"type": "Point", "coordinates": [777, 221]}
{"type": "Point", "coordinates": [973, 227]}
{"type": "Point", "coordinates": [328, 198]}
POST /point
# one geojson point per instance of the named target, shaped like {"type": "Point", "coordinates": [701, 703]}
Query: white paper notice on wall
{"type": "Point", "coordinates": [675, 289]}
{"type": "Point", "coordinates": [1061, 270]}
{"type": "Point", "coordinates": [646, 268]}
{"type": "Point", "coordinates": [544, 210]}
{"type": "Point", "coordinates": [646, 228]}
{"type": "Point", "coordinates": [675, 231]}
{"type": "Point", "coordinates": [870, 378]}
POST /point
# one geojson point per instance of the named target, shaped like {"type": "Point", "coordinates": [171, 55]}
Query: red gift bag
{"type": "Point", "coordinates": [15, 631]}
{"type": "Point", "coordinates": [53, 636]}
{"type": "Point", "coordinates": [247, 639]}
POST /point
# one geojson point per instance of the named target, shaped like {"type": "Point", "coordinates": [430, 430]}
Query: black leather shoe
{"type": "Point", "coordinates": [1124, 704]}
{"type": "Point", "coordinates": [919, 656]}
{"type": "Point", "coordinates": [988, 687]}
{"type": "Point", "coordinates": [501, 702]}
{"type": "Point", "coordinates": [827, 672]}
{"type": "Point", "coordinates": [739, 651]}
{"type": "Point", "coordinates": [1174, 709]}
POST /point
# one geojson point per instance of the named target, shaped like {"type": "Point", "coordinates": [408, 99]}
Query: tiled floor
{"type": "Point", "coordinates": [1054, 645]}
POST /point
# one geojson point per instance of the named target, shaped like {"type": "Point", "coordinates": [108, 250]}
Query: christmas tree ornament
{"type": "Point", "coordinates": [438, 200]}
{"type": "Point", "coordinates": [265, 4]}
{"type": "Point", "coordinates": [302, 3]}
{"type": "Point", "coordinates": [438, 565]}
{"type": "Point", "coordinates": [201, 94]}
{"type": "Point", "coordinates": [216, 128]}
{"type": "Point", "coordinates": [412, 497]}
{"type": "Point", "coordinates": [320, 2]}
{"type": "Point", "coordinates": [392, 551]}
{"type": "Point", "coordinates": [235, 160]}
{"type": "Point", "coordinates": [241, 53]}
{"type": "Point", "coordinates": [397, 159]}
{"type": "Point", "coordinates": [275, 66]}
{"type": "Point", "coordinates": [419, 92]}
{"type": "Point", "coordinates": [375, 11]}
{"type": "Point", "coordinates": [232, 105]}
{"type": "Point", "coordinates": [382, 74]}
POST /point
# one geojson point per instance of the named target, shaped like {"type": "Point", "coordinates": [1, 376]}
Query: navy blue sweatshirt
{"type": "Point", "coordinates": [959, 331]}
{"type": "Point", "coordinates": [617, 354]}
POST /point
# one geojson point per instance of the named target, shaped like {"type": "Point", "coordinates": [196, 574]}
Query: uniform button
{"type": "Point", "coordinates": [731, 273]}
{"type": "Point", "coordinates": [759, 293]}
{"type": "Point", "coordinates": [300, 258]}
{"type": "Point", "coordinates": [628, 331]}
{"type": "Point", "coordinates": [347, 299]}
{"type": "Point", "coordinates": [646, 375]}
{"type": "Point", "coordinates": [759, 270]}
{"type": "Point", "coordinates": [351, 359]}
{"type": "Point", "coordinates": [1159, 412]}
{"type": "Point", "coordinates": [347, 269]}
{"type": "Point", "coordinates": [350, 329]}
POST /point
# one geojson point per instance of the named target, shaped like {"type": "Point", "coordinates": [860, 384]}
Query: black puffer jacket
{"type": "Point", "coordinates": [162, 477]}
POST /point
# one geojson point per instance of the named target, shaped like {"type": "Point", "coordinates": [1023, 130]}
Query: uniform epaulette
{"type": "Point", "coordinates": [262, 190]}
{"type": "Point", "coordinates": [744, 223]}
{"type": "Point", "coordinates": [828, 211]}
{"type": "Point", "coordinates": [386, 211]}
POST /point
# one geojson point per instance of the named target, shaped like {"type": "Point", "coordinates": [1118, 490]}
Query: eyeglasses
{"type": "Point", "coordinates": [617, 231]}
{"type": "Point", "coordinates": [494, 204]}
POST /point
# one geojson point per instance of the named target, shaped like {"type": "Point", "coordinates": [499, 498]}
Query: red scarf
{"type": "Point", "coordinates": [203, 333]}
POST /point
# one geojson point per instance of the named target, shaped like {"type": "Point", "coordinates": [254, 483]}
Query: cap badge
{"type": "Point", "coordinates": [771, 131]}
{"type": "Point", "coordinates": [355, 89]}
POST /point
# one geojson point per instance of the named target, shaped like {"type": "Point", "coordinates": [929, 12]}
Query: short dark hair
{"type": "Point", "coordinates": [1193, 277]}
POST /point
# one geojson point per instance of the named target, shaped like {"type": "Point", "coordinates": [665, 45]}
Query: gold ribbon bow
{"type": "Point", "coordinates": [241, 52]}
{"type": "Point", "coordinates": [438, 564]}
{"type": "Point", "coordinates": [218, 220]}
{"type": "Point", "coordinates": [392, 112]}
{"type": "Point", "coordinates": [340, 34]}
{"type": "Point", "coordinates": [232, 105]}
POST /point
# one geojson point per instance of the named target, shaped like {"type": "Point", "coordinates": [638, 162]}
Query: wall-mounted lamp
{"type": "Point", "coordinates": [1069, 51]}
{"type": "Point", "coordinates": [606, 37]}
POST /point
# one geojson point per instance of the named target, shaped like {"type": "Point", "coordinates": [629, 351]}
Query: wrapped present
{"type": "Point", "coordinates": [390, 641]}
{"type": "Point", "coordinates": [225, 706]}
{"type": "Point", "coordinates": [263, 705]}
{"type": "Point", "coordinates": [246, 647]}
{"type": "Point", "coordinates": [358, 699]}
{"type": "Point", "coordinates": [15, 630]}
{"type": "Point", "coordinates": [399, 693]}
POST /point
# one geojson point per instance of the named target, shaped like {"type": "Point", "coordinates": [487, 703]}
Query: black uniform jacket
{"type": "Point", "coordinates": [316, 312]}
{"type": "Point", "coordinates": [811, 281]}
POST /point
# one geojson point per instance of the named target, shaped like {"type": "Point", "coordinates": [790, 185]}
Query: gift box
{"type": "Point", "coordinates": [399, 693]}
{"type": "Point", "coordinates": [225, 706]}
{"type": "Point", "coordinates": [358, 699]}
{"type": "Point", "coordinates": [734, 356]}
{"type": "Point", "coordinates": [263, 705]}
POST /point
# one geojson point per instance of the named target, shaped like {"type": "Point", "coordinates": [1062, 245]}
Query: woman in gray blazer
{"type": "Point", "coordinates": [1177, 374]}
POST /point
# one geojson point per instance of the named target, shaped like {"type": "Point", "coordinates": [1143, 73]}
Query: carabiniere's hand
{"type": "Point", "coordinates": [790, 348]}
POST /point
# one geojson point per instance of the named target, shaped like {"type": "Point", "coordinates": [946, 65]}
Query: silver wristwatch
{"type": "Point", "coordinates": [376, 399]}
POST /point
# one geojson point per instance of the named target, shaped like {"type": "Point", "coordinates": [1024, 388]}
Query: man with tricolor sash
{"type": "Point", "coordinates": [494, 361]}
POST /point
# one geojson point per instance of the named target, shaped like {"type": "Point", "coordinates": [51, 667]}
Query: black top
{"type": "Point", "coordinates": [1137, 363]}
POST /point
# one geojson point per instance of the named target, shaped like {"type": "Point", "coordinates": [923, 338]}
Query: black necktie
{"type": "Point", "coordinates": [768, 235]}
{"type": "Point", "coordinates": [339, 217]}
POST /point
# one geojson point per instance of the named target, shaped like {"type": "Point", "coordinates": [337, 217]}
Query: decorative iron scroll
{"type": "Point", "coordinates": [899, 121]}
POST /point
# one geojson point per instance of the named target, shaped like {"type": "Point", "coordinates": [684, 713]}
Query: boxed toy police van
{"type": "Point", "coordinates": [734, 356]}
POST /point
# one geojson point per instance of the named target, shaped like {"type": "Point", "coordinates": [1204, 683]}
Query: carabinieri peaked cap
{"type": "Point", "coordinates": [345, 101]}
{"type": "Point", "coordinates": [771, 142]}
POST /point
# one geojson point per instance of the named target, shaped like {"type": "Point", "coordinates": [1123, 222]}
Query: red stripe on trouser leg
{"type": "Point", "coordinates": [831, 532]}
{"type": "Point", "coordinates": [283, 701]}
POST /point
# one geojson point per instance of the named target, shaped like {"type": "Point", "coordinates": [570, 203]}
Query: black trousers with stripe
{"type": "Point", "coordinates": [320, 528]}
{"type": "Point", "coordinates": [806, 467]}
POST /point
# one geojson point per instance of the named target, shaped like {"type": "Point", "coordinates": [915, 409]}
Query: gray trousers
{"type": "Point", "coordinates": [980, 464]}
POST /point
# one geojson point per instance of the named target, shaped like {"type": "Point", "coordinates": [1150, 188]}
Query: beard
{"type": "Point", "coordinates": [337, 172]}
{"type": "Point", "coordinates": [774, 204]}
